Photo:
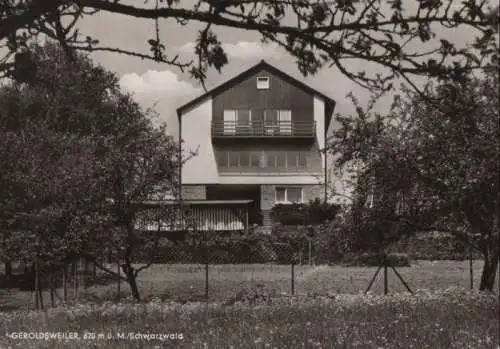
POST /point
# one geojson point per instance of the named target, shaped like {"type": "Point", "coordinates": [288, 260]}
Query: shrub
{"type": "Point", "coordinates": [373, 259]}
{"type": "Point", "coordinates": [289, 214]}
{"type": "Point", "coordinates": [320, 211]}
{"type": "Point", "coordinates": [314, 213]}
{"type": "Point", "coordinates": [434, 246]}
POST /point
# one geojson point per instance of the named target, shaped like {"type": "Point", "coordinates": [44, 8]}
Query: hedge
{"type": "Point", "coordinates": [313, 213]}
{"type": "Point", "coordinates": [328, 242]}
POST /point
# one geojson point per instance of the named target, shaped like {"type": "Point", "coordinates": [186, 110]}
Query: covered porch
{"type": "Point", "coordinates": [239, 192]}
{"type": "Point", "coordinates": [193, 215]}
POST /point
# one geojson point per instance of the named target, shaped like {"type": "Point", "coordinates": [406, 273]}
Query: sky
{"type": "Point", "coordinates": [166, 88]}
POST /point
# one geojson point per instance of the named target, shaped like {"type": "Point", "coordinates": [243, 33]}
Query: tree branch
{"type": "Point", "coordinates": [103, 268]}
{"type": "Point", "coordinates": [173, 61]}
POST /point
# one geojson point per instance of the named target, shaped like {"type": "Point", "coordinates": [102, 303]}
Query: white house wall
{"type": "Point", "coordinates": [196, 135]}
{"type": "Point", "coordinates": [319, 118]}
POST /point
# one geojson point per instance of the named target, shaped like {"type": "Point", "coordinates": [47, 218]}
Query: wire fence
{"type": "Point", "coordinates": [233, 270]}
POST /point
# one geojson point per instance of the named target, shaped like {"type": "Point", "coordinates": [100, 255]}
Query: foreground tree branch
{"type": "Point", "coordinates": [315, 33]}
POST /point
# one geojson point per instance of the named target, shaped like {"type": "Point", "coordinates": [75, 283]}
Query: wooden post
{"type": "Point", "coordinates": [87, 266]}
{"type": "Point", "coordinates": [39, 284]}
{"type": "Point", "coordinates": [37, 299]}
{"type": "Point", "coordinates": [293, 278]}
{"type": "Point", "coordinates": [118, 286]}
{"type": "Point", "coordinates": [373, 279]}
{"type": "Point", "coordinates": [386, 284]}
{"type": "Point", "coordinates": [401, 279]}
{"type": "Point", "coordinates": [65, 282]}
{"type": "Point", "coordinates": [84, 276]}
{"type": "Point", "coordinates": [310, 253]}
{"type": "Point", "coordinates": [8, 270]}
{"type": "Point", "coordinates": [51, 281]}
{"type": "Point", "coordinates": [26, 268]}
{"type": "Point", "coordinates": [246, 220]}
{"type": "Point", "coordinates": [75, 280]}
{"type": "Point", "coordinates": [471, 268]}
{"type": "Point", "coordinates": [206, 282]}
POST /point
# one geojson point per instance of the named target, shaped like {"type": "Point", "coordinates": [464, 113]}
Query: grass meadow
{"type": "Point", "coordinates": [328, 310]}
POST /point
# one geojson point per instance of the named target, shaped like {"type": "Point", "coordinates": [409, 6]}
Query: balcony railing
{"type": "Point", "coordinates": [293, 129]}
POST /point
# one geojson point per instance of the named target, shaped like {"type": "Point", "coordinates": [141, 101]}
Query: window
{"type": "Point", "coordinates": [243, 117]}
{"type": "Point", "coordinates": [234, 159]}
{"type": "Point", "coordinates": [271, 121]}
{"type": "Point", "coordinates": [271, 117]}
{"type": "Point", "coordinates": [281, 160]}
{"type": "Point", "coordinates": [296, 159]}
{"type": "Point", "coordinates": [222, 159]}
{"type": "Point", "coordinates": [271, 159]}
{"type": "Point", "coordinates": [262, 83]}
{"type": "Point", "coordinates": [239, 159]}
{"type": "Point", "coordinates": [302, 159]}
{"type": "Point", "coordinates": [245, 159]}
{"type": "Point", "coordinates": [278, 121]}
{"type": "Point", "coordinates": [235, 120]}
{"type": "Point", "coordinates": [255, 159]}
{"type": "Point", "coordinates": [280, 195]}
{"type": "Point", "coordinates": [276, 159]}
{"type": "Point", "coordinates": [288, 194]}
{"type": "Point", "coordinates": [292, 158]}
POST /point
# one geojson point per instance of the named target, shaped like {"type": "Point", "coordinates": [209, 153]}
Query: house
{"type": "Point", "coordinates": [259, 137]}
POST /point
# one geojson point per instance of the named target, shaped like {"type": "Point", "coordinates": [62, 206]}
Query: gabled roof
{"type": "Point", "coordinates": [329, 103]}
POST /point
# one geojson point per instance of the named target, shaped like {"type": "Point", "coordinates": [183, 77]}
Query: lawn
{"type": "Point", "coordinates": [328, 310]}
{"type": "Point", "coordinates": [187, 282]}
{"type": "Point", "coordinates": [449, 319]}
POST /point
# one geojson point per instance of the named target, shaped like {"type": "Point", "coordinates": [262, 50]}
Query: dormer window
{"type": "Point", "coordinates": [262, 83]}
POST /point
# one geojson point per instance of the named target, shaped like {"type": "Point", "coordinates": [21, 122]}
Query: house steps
{"type": "Point", "coordinates": [266, 218]}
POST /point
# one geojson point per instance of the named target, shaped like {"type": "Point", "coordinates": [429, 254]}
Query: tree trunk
{"type": "Point", "coordinates": [489, 269]}
{"type": "Point", "coordinates": [65, 282]}
{"type": "Point", "coordinates": [51, 282]}
{"type": "Point", "coordinates": [132, 281]}
{"type": "Point", "coordinates": [74, 269]}
{"type": "Point", "coordinates": [37, 284]}
{"type": "Point", "coordinates": [8, 270]}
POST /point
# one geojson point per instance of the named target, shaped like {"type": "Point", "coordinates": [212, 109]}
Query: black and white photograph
{"type": "Point", "coordinates": [249, 174]}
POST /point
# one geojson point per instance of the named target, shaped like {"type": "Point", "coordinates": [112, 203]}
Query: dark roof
{"type": "Point", "coordinates": [329, 103]}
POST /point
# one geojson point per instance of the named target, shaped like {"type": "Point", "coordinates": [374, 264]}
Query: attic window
{"type": "Point", "coordinates": [262, 83]}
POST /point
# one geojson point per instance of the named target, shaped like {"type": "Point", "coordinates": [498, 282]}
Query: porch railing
{"type": "Point", "coordinates": [193, 216]}
{"type": "Point", "coordinates": [293, 129]}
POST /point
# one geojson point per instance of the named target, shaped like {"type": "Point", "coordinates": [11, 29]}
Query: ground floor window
{"type": "Point", "coordinates": [288, 194]}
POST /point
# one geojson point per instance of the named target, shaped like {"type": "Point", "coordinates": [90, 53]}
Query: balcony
{"type": "Point", "coordinates": [260, 129]}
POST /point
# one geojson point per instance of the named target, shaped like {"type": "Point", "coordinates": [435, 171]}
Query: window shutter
{"type": "Point", "coordinates": [285, 121]}
{"type": "Point", "coordinates": [229, 121]}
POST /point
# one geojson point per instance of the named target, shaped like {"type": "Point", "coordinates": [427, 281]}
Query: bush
{"type": "Point", "coordinates": [320, 211]}
{"type": "Point", "coordinates": [374, 260]}
{"type": "Point", "coordinates": [314, 213]}
{"type": "Point", "coordinates": [434, 246]}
